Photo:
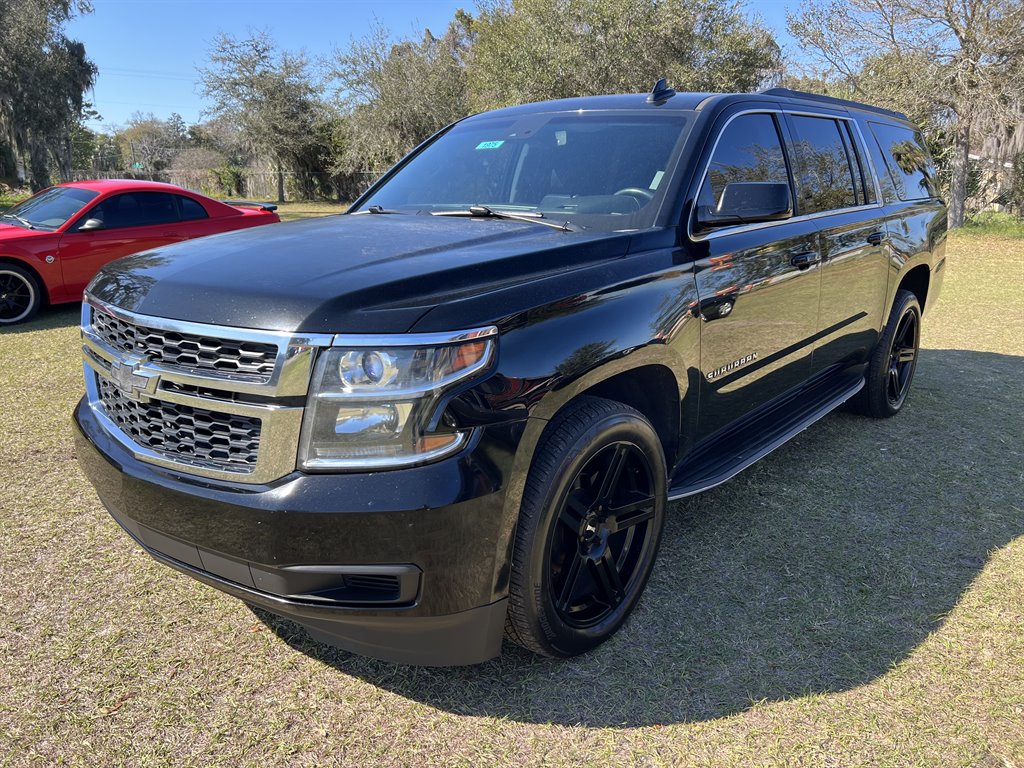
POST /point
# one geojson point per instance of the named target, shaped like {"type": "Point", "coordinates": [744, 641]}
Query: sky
{"type": "Point", "coordinates": [148, 51]}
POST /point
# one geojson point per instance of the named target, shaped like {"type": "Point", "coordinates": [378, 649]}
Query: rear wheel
{"type": "Point", "coordinates": [20, 294]}
{"type": "Point", "coordinates": [891, 369]}
{"type": "Point", "coordinates": [589, 528]}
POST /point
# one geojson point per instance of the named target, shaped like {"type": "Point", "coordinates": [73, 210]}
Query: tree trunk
{"type": "Point", "coordinates": [62, 153]}
{"type": "Point", "coordinates": [39, 165]}
{"type": "Point", "coordinates": [959, 168]}
{"type": "Point", "coordinates": [280, 183]}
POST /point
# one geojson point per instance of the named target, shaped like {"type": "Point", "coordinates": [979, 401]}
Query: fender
{"type": "Point", "coordinates": [582, 344]}
{"type": "Point", "coordinates": [917, 236]}
{"type": "Point", "coordinates": [49, 273]}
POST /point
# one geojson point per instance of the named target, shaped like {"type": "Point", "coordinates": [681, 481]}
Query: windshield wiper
{"type": "Point", "coordinates": [482, 211]}
{"type": "Point", "coordinates": [19, 219]}
{"type": "Point", "coordinates": [376, 209]}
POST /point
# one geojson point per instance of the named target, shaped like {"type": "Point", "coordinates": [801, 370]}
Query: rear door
{"type": "Point", "coordinates": [758, 283]}
{"type": "Point", "coordinates": [132, 222]}
{"type": "Point", "coordinates": [836, 187]}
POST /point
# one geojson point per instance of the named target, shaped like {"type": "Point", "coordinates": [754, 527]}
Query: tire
{"type": "Point", "coordinates": [20, 294]}
{"type": "Point", "coordinates": [891, 368]}
{"type": "Point", "coordinates": [592, 512]}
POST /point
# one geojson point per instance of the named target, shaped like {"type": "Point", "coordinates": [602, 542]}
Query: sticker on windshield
{"type": "Point", "coordinates": [656, 181]}
{"type": "Point", "coordinates": [489, 144]}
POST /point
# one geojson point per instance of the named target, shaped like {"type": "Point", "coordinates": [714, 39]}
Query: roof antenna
{"type": "Point", "coordinates": [660, 93]}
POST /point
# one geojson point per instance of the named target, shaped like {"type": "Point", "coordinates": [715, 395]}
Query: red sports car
{"type": "Point", "coordinates": [52, 244]}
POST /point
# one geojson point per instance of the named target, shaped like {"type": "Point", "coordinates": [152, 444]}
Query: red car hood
{"type": "Point", "coordinates": [10, 232]}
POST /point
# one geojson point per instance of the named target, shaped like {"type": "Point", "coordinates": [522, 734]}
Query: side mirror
{"type": "Point", "coordinates": [748, 202]}
{"type": "Point", "coordinates": [91, 225]}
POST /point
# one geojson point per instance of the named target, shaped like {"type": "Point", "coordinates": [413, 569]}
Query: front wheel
{"type": "Point", "coordinates": [589, 527]}
{"type": "Point", "coordinates": [20, 295]}
{"type": "Point", "coordinates": [892, 366]}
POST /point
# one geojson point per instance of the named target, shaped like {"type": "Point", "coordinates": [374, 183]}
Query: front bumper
{"type": "Point", "coordinates": [407, 565]}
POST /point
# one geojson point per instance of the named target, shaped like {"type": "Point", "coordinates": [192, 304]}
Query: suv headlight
{"type": "Point", "coordinates": [374, 405]}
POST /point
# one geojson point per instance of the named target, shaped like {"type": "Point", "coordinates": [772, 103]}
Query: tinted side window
{"type": "Point", "coordinates": [882, 176]}
{"type": "Point", "coordinates": [825, 180]}
{"type": "Point", "coordinates": [135, 209]}
{"type": "Point", "coordinates": [909, 163]}
{"type": "Point", "coordinates": [862, 183]}
{"type": "Point", "coordinates": [190, 209]}
{"type": "Point", "coordinates": [749, 149]}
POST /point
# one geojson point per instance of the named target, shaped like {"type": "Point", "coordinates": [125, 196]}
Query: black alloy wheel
{"type": "Point", "coordinates": [589, 526]}
{"type": "Point", "coordinates": [604, 529]}
{"type": "Point", "coordinates": [902, 358]}
{"type": "Point", "coordinates": [19, 294]}
{"type": "Point", "coordinates": [892, 365]}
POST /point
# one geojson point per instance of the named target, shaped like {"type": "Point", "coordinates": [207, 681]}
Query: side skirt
{"type": "Point", "coordinates": [724, 457]}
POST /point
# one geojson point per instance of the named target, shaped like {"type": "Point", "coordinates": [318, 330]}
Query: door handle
{"type": "Point", "coordinates": [805, 259]}
{"type": "Point", "coordinates": [877, 238]}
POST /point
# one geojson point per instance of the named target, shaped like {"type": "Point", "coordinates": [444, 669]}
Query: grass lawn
{"type": "Point", "coordinates": [308, 210]}
{"type": "Point", "coordinates": [856, 598]}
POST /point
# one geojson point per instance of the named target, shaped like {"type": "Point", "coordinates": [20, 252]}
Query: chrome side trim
{"type": "Point", "coordinates": [805, 217]}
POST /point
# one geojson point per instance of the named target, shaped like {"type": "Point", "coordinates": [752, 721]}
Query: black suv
{"type": "Point", "coordinates": [459, 411]}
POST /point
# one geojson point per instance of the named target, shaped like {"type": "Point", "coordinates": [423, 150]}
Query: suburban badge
{"type": "Point", "coordinates": [732, 366]}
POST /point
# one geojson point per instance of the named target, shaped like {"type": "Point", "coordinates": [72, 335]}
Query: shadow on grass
{"type": "Point", "coordinates": [815, 571]}
{"type": "Point", "coordinates": [60, 316]}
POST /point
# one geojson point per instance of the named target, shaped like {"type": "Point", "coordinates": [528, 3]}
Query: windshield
{"type": "Point", "coordinates": [602, 171]}
{"type": "Point", "coordinates": [50, 208]}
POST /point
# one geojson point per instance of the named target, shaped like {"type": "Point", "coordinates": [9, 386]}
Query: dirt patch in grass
{"type": "Point", "coordinates": [853, 599]}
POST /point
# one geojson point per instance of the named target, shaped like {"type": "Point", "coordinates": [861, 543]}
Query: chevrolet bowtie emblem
{"type": "Point", "coordinates": [131, 381]}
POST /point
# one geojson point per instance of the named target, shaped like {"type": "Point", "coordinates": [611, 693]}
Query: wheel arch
{"type": "Point", "coordinates": [651, 389]}
{"type": "Point", "coordinates": [647, 384]}
{"type": "Point", "coordinates": [28, 267]}
{"type": "Point", "coordinates": [917, 281]}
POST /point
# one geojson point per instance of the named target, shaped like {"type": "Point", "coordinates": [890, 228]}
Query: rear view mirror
{"type": "Point", "coordinates": [91, 225]}
{"type": "Point", "coordinates": [748, 202]}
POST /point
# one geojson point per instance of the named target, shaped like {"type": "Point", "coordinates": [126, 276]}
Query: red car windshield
{"type": "Point", "coordinates": [49, 209]}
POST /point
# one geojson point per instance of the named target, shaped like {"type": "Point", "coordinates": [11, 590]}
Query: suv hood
{"type": "Point", "coordinates": [344, 274]}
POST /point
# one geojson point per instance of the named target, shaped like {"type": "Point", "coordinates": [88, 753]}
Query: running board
{"type": "Point", "coordinates": [729, 455]}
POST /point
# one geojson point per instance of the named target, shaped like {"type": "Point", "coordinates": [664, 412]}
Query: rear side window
{"type": "Point", "coordinates": [825, 178]}
{"type": "Point", "coordinates": [749, 149]}
{"type": "Point", "coordinates": [135, 209]}
{"type": "Point", "coordinates": [910, 165]}
{"type": "Point", "coordinates": [190, 209]}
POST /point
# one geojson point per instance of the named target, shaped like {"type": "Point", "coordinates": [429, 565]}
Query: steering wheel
{"type": "Point", "coordinates": [637, 192]}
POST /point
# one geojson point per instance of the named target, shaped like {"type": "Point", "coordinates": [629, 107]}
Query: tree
{"type": "Point", "coordinates": [270, 96]}
{"type": "Point", "coordinates": [151, 142]}
{"type": "Point", "coordinates": [528, 50]}
{"type": "Point", "coordinates": [43, 77]}
{"type": "Point", "coordinates": [952, 65]}
{"type": "Point", "coordinates": [395, 95]}
{"type": "Point", "coordinates": [84, 143]}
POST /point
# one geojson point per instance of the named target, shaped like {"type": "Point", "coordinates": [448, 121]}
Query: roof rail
{"type": "Point", "coordinates": [791, 94]}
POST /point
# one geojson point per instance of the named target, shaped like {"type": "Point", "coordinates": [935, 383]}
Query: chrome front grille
{"type": "Point", "coordinates": [207, 400]}
{"type": "Point", "coordinates": [186, 351]}
{"type": "Point", "coordinates": [197, 436]}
